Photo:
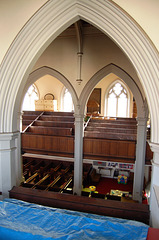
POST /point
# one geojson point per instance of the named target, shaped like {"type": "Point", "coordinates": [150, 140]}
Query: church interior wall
{"type": "Point", "coordinates": [98, 52]}
{"type": "Point", "coordinates": [49, 84]}
{"type": "Point", "coordinates": [25, 9]}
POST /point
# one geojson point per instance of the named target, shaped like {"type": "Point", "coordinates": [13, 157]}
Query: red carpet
{"type": "Point", "coordinates": [106, 184]}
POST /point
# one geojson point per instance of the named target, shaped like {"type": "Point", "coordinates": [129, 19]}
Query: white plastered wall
{"type": "Point", "coordinates": [50, 84]}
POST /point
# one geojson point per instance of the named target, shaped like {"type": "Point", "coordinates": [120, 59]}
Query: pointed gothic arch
{"type": "Point", "coordinates": [40, 31]}
{"type": "Point", "coordinates": [40, 72]}
{"type": "Point", "coordinates": [111, 68]}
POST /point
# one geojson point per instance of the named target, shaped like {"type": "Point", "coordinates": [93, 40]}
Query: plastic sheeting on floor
{"type": "Point", "coordinates": [21, 220]}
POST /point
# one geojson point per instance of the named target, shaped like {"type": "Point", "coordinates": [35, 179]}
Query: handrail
{"type": "Point", "coordinates": [87, 122]}
{"type": "Point", "coordinates": [32, 122]}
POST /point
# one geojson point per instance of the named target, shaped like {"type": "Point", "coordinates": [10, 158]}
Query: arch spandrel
{"type": "Point", "coordinates": [48, 23]}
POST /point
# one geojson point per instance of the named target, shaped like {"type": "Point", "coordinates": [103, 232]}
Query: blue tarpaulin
{"type": "Point", "coordinates": [21, 220]}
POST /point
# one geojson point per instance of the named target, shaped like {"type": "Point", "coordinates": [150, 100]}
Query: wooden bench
{"type": "Point", "coordinates": [54, 124]}
{"type": "Point", "coordinates": [49, 131]}
{"type": "Point", "coordinates": [57, 118]}
{"type": "Point", "coordinates": [57, 113]}
{"type": "Point", "coordinates": [111, 130]}
{"type": "Point", "coordinates": [105, 135]}
{"type": "Point", "coordinates": [125, 121]}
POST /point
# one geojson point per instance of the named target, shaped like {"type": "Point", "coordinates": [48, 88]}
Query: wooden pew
{"type": "Point", "coordinates": [112, 125]}
{"type": "Point", "coordinates": [115, 136]}
{"type": "Point", "coordinates": [111, 130]}
{"type": "Point", "coordinates": [57, 113]}
{"type": "Point", "coordinates": [29, 116]}
{"type": "Point", "coordinates": [31, 113]}
{"type": "Point", "coordinates": [50, 131]}
{"type": "Point", "coordinates": [42, 172]}
{"type": "Point", "coordinates": [125, 121]}
{"type": "Point", "coordinates": [57, 118]}
{"type": "Point", "coordinates": [54, 124]}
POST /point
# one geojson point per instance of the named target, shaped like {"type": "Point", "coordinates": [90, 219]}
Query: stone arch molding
{"type": "Point", "coordinates": [111, 68]}
{"type": "Point", "coordinates": [48, 23]}
{"type": "Point", "coordinates": [40, 72]}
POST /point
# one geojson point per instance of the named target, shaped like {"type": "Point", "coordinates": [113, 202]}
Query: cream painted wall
{"type": "Point", "coordinates": [98, 52]}
{"type": "Point", "coordinates": [61, 55]}
{"type": "Point", "coordinates": [145, 13]}
{"type": "Point", "coordinates": [14, 15]}
{"type": "Point", "coordinates": [49, 84]}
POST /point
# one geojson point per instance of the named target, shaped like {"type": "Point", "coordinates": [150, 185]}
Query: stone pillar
{"type": "Point", "coordinates": [78, 154]}
{"type": "Point", "coordinates": [10, 163]}
{"type": "Point", "coordinates": [140, 159]}
{"type": "Point", "coordinates": [154, 190]}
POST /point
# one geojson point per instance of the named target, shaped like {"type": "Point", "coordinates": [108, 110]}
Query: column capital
{"type": "Point", "coordinates": [78, 116]}
{"type": "Point", "coordinates": [155, 149]}
{"type": "Point", "coordinates": [9, 136]}
{"type": "Point", "coordinates": [7, 140]}
{"type": "Point", "coordinates": [142, 121]}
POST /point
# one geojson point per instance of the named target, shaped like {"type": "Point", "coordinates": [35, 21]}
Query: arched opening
{"type": "Point", "coordinates": [109, 25]}
{"type": "Point", "coordinates": [94, 82]}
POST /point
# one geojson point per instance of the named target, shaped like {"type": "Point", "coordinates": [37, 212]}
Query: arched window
{"type": "Point", "coordinates": [29, 99]}
{"type": "Point", "coordinates": [117, 101]}
{"type": "Point", "coordinates": [67, 101]}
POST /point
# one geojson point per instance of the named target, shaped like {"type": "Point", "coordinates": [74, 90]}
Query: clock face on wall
{"type": "Point", "coordinates": [49, 96]}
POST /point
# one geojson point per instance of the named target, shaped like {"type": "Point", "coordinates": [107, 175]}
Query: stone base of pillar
{"type": "Point", "coordinates": [10, 162]}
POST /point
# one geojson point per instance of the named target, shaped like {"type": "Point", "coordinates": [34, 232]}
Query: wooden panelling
{"type": "Point", "coordinates": [44, 143]}
{"type": "Point", "coordinates": [109, 148]}
{"type": "Point", "coordinates": [133, 211]}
